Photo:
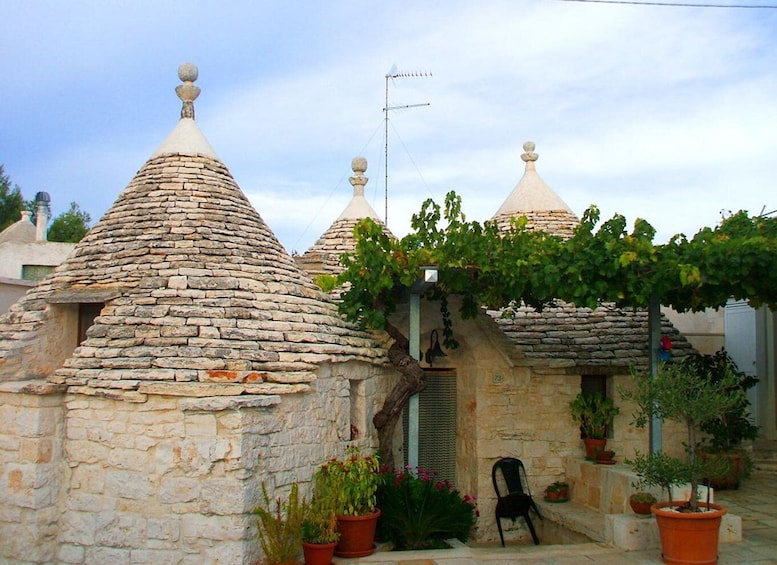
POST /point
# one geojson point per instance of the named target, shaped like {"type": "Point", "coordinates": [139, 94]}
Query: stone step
{"type": "Point", "coordinates": [765, 455]}
{"type": "Point", "coordinates": [768, 465]}
{"type": "Point", "coordinates": [575, 517]}
{"type": "Point", "coordinates": [624, 531]}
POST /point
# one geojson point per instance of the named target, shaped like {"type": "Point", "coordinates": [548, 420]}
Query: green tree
{"type": "Point", "coordinates": [70, 226]}
{"type": "Point", "coordinates": [11, 201]}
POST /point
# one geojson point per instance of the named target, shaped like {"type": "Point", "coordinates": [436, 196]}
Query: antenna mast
{"type": "Point", "coordinates": [393, 74]}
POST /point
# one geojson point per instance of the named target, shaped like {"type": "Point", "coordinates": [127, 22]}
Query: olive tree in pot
{"type": "Point", "coordinates": [727, 431]}
{"type": "Point", "coordinates": [593, 413]}
{"type": "Point", "coordinates": [684, 393]}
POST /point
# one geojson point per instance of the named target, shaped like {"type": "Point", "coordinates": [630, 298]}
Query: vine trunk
{"type": "Point", "coordinates": [411, 381]}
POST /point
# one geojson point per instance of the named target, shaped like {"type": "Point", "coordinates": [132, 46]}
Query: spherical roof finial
{"type": "Point", "coordinates": [188, 72]}
{"type": "Point", "coordinates": [358, 166]}
{"type": "Point", "coordinates": [529, 154]}
{"type": "Point", "coordinates": [187, 91]}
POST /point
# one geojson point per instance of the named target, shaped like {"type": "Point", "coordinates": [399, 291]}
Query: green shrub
{"type": "Point", "coordinates": [280, 526]}
{"type": "Point", "coordinates": [350, 482]}
{"type": "Point", "coordinates": [420, 512]}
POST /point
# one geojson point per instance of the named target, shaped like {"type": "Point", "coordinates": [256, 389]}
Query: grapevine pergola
{"type": "Point", "coordinates": [486, 267]}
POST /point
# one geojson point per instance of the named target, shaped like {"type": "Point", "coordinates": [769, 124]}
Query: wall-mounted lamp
{"type": "Point", "coordinates": [434, 348]}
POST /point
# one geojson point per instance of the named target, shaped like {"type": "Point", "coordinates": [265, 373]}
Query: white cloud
{"type": "Point", "coordinates": [653, 112]}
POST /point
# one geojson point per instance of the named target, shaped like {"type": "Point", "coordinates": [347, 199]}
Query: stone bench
{"type": "Point", "coordinates": [599, 510]}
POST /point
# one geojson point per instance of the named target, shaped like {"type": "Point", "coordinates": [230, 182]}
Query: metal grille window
{"type": "Point", "coordinates": [437, 424]}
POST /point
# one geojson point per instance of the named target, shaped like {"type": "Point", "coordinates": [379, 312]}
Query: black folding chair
{"type": "Point", "coordinates": [514, 498]}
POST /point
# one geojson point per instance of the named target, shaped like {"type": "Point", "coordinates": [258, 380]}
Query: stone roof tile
{"type": "Point", "coordinates": [604, 339]}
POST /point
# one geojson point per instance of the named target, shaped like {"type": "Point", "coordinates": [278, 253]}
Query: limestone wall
{"type": "Point", "coordinates": [36, 337]}
{"type": "Point", "coordinates": [162, 479]}
{"type": "Point", "coordinates": [32, 471]}
{"type": "Point", "coordinates": [169, 477]}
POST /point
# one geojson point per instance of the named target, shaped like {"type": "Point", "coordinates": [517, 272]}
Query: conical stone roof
{"type": "Point", "coordinates": [605, 339]}
{"type": "Point", "coordinates": [533, 198]}
{"type": "Point", "coordinates": [323, 257]}
{"type": "Point", "coordinates": [196, 286]}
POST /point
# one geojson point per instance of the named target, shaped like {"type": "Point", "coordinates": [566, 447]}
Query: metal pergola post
{"type": "Point", "coordinates": [654, 341]}
{"type": "Point", "coordinates": [414, 339]}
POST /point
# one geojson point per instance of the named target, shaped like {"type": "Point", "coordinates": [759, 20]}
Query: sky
{"type": "Point", "coordinates": [663, 113]}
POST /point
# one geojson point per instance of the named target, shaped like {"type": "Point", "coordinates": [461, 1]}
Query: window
{"type": "Point", "coordinates": [591, 384]}
{"type": "Point", "coordinates": [436, 424]}
{"type": "Point", "coordinates": [35, 272]}
{"type": "Point", "coordinates": [595, 384]}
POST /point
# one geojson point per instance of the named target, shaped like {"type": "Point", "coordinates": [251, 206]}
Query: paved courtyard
{"type": "Point", "coordinates": [755, 502]}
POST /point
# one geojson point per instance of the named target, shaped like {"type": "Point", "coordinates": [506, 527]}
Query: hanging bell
{"type": "Point", "coordinates": [434, 348]}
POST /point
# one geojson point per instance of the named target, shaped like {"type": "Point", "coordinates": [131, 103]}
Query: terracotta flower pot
{"type": "Point", "coordinates": [357, 534]}
{"type": "Point", "coordinates": [641, 508]}
{"type": "Point", "coordinates": [318, 553]}
{"type": "Point", "coordinates": [593, 446]}
{"type": "Point", "coordinates": [688, 537]}
{"type": "Point", "coordinates": [729, 479]}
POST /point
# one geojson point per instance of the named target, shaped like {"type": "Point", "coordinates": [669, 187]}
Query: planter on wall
{"type": "Point", "coordinates": [689, 537]}
{"type": "Point", "coordinates": [357, 534]}
{"type": "Point", "coordinates": [593, 446]}
{"type": "Point", "coordinates": [641, 508]}
{"type": "Point", "coordinates": [605, 457]}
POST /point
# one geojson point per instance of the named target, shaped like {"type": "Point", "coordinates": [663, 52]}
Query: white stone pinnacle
{"type": "Point", "coordinates": [186, 138]}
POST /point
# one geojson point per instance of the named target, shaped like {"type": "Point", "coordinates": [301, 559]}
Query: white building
{"type": "Point", "coordinates": [26, 257]}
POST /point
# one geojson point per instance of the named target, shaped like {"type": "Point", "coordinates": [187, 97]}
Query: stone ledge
{"type": "Point", "coordinates": [219, 403]}
{"type": "Point", "coordinates": [197, 390]}
{"type": "Point", "coordinates": [109, 393]}
{"type": "Point", "coordinates": [32, 387]}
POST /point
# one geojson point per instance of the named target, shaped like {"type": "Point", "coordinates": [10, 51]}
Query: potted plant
{"type": "Point", "coordinates": [280, 527]}
{"type": "Point", "coordinates": [727, 431]}
{"type": "Point", "coordinates": [352, 483]}
{"type": "Point", "coordinates": [319, 529]}
{"type": "Point", "coordinates": [641, 502]}
{"type": "Point", "coordinates": [593, 413]}
{"type": "Point", "coordinates": [557, 491]}
{"type": "Point", "coordinates": [684, 393]}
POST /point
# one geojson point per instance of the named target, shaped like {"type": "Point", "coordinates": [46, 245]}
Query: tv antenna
{"type": "Point", "coordinates": [394, 74]}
